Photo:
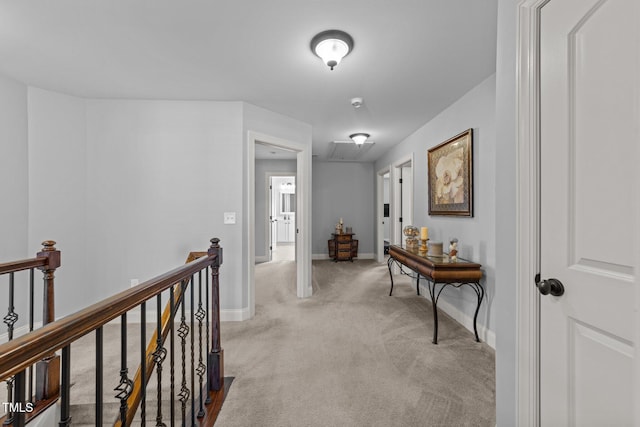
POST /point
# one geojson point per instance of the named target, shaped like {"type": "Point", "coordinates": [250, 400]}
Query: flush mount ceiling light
{"type": "Point", "coordinates": [359, 138]}
{"type": "Point", "coordinates": [332, 46]}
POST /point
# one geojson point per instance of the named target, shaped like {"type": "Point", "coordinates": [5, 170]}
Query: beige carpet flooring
{"type": "Point", "coordinates": [351, 355]}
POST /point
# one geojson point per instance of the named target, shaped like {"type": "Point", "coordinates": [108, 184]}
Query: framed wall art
{"type": "Point", "coordinates": [450, 186]}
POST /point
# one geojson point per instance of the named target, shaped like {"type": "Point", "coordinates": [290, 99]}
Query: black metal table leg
{"type": "Point", "coordinates": [480, 293]}
{"type": "Point", "coordinates": [418, 285]}
{"type": "Point", "coordinates": [389, 262]}
{"type": "Point", "coordinates": [434, 303]}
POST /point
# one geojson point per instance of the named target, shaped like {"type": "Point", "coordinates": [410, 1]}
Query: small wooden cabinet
{"type": "Point", "coordinates": [343, 247]}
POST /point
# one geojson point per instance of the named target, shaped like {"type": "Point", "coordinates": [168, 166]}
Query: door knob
{"type": "Point", "coordinates": [550, 286]}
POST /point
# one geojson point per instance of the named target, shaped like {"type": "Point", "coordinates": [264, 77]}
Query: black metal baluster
{"type": "Point", "coordinates": [12, 317]}
{"type": "Point", "coordinates": [99, 375]}
{"type": "Point", "coordinates": [158, 357]}
{"type": "Point", "coordinates": [10, 320]}
{"type": "Point", "coordinates": [183, 331]}
{"type": "Point", "coordinates": [65, 389]}
{"type": "Point", "coordinates": [20, 416]}
{"type": "Point", "coordinates": [126, 385]}
{"type": "Point", "coordinates": [172, 305]}
{"type": "Point", "coordinates": [202, 369]}
{"type": "Point", "coordinates": [31, 323]}
{"type": "Point", "coordinates": [206, 304]}
{"type": "Point", "coordinates": [143, 362]}
{"type": "Point", "coordinates": [193, 375]}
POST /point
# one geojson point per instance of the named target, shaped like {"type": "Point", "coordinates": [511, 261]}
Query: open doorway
{"type": "Point", "coordinates": [383, 213]}
{"type": "Point", "coordinates": [282, 217]}
{"type": "Point", "coordinates": [402, 196]}
{"type": "Point", "coordinates": [257, 235]}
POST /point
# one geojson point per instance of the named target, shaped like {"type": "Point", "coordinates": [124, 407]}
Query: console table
{"type": "Point", "coordinates": [440, 272]}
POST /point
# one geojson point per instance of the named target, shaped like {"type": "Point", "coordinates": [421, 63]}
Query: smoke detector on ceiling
{"type": "Point", "coordinates": [357, 102]}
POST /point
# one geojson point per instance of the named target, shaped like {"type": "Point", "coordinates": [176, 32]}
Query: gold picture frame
{"type": "Point", "coordinates": [450, 169]}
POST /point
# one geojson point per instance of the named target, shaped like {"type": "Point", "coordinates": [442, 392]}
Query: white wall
{"type": "Point", "coordinates": [477, 235]}
{"type": "Point", "coordinates": [343, 190]}
{"type": "Point", "coordinates": [160, 175]}
{"type": "Point", "coordinates": [14, 171]}
{"type": "Point", "coordinates": [57, 192]}
{"type": "Point", "coordinates": [505, 216]}
{"type": "Point", "coordinates": [129, 187]}
{"type": "Point", "coordinates": [14, 193]}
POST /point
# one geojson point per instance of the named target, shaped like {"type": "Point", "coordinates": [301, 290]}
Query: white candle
{"type": "Point", "coordinates": [424, 233]}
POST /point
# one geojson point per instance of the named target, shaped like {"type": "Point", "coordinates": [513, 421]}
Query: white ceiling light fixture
{"type": "Point", "coordinates": [332, 46]}
{"type": "Point", "coordinates": [359, 138]}
{"type": "Point", "coordinates": [357, 102]}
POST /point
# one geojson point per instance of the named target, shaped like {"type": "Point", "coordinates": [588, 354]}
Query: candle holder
{"type": "Point", "coordinates": [423, 246]}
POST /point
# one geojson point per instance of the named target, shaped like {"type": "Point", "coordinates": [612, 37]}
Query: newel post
{"type": "Point", "coordinates": [216, 356]}
{"type": "Point", "coordinates": [48, 370]}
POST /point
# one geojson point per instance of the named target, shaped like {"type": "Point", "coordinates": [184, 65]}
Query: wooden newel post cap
{"type": "Point", "coordinates": [49, 251]}
{"type": "Point", "coordinates": [215, 249]}
{"type": "Point", "coordinates": [48, 246]}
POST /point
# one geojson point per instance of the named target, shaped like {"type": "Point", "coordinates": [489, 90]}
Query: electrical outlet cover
{"type": "Point", "coordinates": [229, 217]}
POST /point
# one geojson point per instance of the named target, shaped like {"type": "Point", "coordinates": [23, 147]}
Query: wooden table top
{"type": "Point", "coordinates": [437, 268]}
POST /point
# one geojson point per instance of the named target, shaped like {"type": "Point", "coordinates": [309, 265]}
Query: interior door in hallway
{"type": "Point", "coordinates": [273, 218]}
{"type": "Point", "coordinates": [404, 199]}
{"type": "Point", "coordinates": [589, 80]}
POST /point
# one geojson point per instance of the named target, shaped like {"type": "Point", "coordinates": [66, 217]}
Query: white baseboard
{"type": "Point", "coordinates": [326, 256]}
{"type": "Point", "coordinates": [235, 315]}
{"type": "Point", "coordinates": [262, 258]}
{"type": "Point", "coordinates": [486, 335]}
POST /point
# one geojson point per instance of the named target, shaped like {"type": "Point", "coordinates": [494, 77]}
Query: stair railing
{"type": "Point", "coordinates": [47, 376]}
{"type": "Point", "coordinates": [18, 354]}
{"type": "Point", "coordinates": [145, 370]}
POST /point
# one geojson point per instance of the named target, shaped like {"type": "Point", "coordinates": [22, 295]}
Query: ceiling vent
{"type": "Point", "coordinates": [347, 150]}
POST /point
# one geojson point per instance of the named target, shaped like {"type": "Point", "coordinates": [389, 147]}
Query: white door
{"type": "Point", "coordinates": [407, 195]}
{"type": "Point", "coordinates": [589, 81]}
{"type": "Point", "coordinates": [273, 217]}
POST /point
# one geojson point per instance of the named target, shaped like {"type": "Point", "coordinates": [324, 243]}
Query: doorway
{"type": "Point", "coordinates": [402, 198]}
{"type": "Point", "coordinates": [302, 153]}
{"type": "Point", "coordinates": [577, 119]}
{"type": "Point", "coordinates": [282, 217]}
{"type": "Point", "coordinates": [383, 197]}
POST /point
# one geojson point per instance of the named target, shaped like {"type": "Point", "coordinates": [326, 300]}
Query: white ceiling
{"type": "Point", "coordinates": [412, 58]}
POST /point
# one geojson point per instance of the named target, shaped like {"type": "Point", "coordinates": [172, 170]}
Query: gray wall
{"type": "Point", "coordinates": [343, 190]}
{"type": "Point", "coordinates": [58, 190]}
{"type": "Point", "coordinates": [262, 167]}
{"type": "Point", "coordinates": [14, 168]}
{"type": "Point", "coordinates": [139, 184]}
{"type": "Point", "coordinates": [14, 191]}
{"type": "Point", "coordinates": [476, 110]}
{"type": "Point", "coordinates": [505, 216]}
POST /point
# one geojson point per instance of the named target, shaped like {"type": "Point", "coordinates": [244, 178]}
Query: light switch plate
{"type": "Point", "coordinates": [229, 217]}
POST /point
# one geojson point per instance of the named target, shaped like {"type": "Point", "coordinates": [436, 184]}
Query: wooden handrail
{"type": "Point", "coordinates": [24, 264]}
{"type": "Point", "coordinates": [20, 353]}
{"type": "Point", "coordinates": [136, 395]}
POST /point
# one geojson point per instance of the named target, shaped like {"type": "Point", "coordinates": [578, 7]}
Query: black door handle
{"type": "Point", "coordinates": [550, 286]}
